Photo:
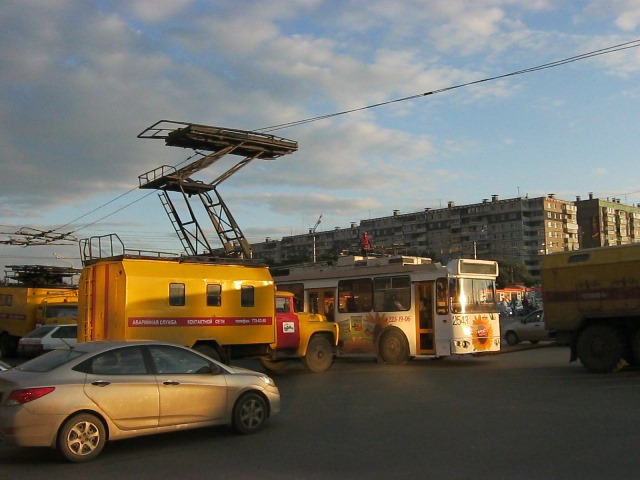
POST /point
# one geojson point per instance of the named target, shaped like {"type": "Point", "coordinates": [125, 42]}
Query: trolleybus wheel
{"type": "Point", "coordinates": [601, 349]}
{"type": "Point", "coordinates": [393, 348]}
{"type": "Point", "coordinates": [319, 355]}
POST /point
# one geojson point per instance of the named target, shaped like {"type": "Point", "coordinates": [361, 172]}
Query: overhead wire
{"type": "Point", "coordinates": [281, 126]}
{"type": "Point", "coordinates": [575, 58]}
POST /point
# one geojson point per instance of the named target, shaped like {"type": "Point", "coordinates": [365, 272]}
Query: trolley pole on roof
{"type": "Point", "coordinates": [313, 231]}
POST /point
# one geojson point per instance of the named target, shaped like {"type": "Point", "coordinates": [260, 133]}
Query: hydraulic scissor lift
{"type": "Point", "coordinates": [220, 142]}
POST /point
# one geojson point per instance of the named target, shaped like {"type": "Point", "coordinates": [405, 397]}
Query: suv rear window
{"type": "Point", "coordinates": [40, 332]}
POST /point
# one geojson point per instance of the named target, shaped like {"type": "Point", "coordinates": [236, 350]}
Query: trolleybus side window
{"type": "Point", "coordinates": [355, 295]}
{"type": "Point", "coordinates": [392, 294]}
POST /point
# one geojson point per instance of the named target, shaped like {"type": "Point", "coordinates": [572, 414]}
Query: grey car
{"type": "Point", "coordinates": [77, 398]}
{"type": "Point", "coordinates": [530, 328]}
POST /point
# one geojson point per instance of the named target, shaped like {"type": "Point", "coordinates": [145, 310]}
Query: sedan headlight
{"type": "Point", "coordinates": [266, 379]}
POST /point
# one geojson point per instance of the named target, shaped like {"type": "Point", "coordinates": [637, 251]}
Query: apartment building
{"type": "Point", "coordinates": [519, 228]}
{"type": "Point", "coordinates": [607, 222]}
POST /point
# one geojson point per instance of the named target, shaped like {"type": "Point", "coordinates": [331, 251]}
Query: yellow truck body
{"type": "Point", "coordinates": [592, 303]}
{"type": "Point", "coordinates": [224, 310]}
{"type": "Point", "coordinates": [24, 308]}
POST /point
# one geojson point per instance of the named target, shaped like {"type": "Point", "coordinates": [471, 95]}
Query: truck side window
{"type": "Point", "coordinates": [282, 305]}
{"type": "Point", "coordinates": [247, 296]}
{"type": "Point", "coordinates": [214, 295]}
{"type": "Point", "coordinates": [176, 294]}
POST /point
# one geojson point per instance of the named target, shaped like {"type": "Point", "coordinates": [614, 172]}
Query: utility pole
{"type": "Point", "coordinates": [313, 232]}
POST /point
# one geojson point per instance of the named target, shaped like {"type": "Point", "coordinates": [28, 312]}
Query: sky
{"type": "Point", "coordinates": [80, 79]}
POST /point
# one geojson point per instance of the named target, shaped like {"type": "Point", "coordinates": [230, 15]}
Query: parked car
{"type": "Point", "coordinates": [46, 338]}
{"type": "Point", "coordinates": [77, 398]}
{"type": "Point", "coordinates": [530, 328]}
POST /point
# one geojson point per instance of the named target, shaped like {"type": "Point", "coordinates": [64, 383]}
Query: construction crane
{"type": "Point", "coordinates": [313, 231]}
{"type": "Point", "coordinates": [219, 141]}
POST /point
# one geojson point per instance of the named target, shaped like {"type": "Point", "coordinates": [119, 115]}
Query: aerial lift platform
{"type": "Point", "coordinates": [220, 142]}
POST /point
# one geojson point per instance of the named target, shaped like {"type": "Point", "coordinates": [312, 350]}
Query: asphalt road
{"type": "Point", "coordinates": [524, 414]}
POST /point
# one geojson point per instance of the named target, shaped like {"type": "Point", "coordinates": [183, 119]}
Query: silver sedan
{"type": "Point", "coordinates": [75, 399]}
{"type": "Point", "coordinates": [530, 328]}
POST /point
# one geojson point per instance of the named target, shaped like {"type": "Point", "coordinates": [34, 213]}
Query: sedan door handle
{"type": "Point", "coordinates": [100, 383]}
{"type": "Point", "coordinates": [170, 382]}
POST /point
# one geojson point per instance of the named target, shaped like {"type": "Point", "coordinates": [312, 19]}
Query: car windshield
{"type": "Point", "coordinates": [51, 360]}
{"type": "Point", "coordinates": [62, 311]}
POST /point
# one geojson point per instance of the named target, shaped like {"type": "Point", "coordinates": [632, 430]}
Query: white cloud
{"type": "Point", "coordinates": [80, 82]}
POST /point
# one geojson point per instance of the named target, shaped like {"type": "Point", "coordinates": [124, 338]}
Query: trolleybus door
{"type": "Point", "coordinates": [424, 293]}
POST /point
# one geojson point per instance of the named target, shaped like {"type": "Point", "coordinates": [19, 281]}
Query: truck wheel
{"type": "Point", "coordinates": [250, 413]}
{"type": "Point", "coordinates": [8, 345]}
{"type": "Point", "coordinates": [319, 355]}
{"type": "Point", "coordinates": [636, 347]}
{"type": "Point", "coordinates": [81, 438]}
{"type": "Point", "coordinates": [393, 348]}
{"type": "Point", "coordinates": [209, 351]}
{"type": "Point", "coordinates": [511, 338]}
{"type": "Point", "coordinates": [601, 349]}
{"type": "Point", "coordinates": [272, 366]}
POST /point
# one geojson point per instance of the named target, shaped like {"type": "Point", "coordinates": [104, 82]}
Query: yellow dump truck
{"type": "Point", "coordinates": [224, 310]}
{"type": "Point", "coordinates": [592, 303]}
{"type": "Point", "coordinates": [34, 295]}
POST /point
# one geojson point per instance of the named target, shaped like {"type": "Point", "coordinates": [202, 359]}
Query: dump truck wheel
{"type": "Point", "coordinates": [272, 366]}
{"type": "Point", "coordinates": [319, 355]}
{"type": "Point", "coordinates": [601, 349]}
{"type": "Point", "coordinates": [636, 347]}
{"type": "Point", "coordinates": [8, 346]}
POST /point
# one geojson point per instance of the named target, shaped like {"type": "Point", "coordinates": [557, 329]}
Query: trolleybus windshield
{"type": "Point", "coordinates": [471, 295]}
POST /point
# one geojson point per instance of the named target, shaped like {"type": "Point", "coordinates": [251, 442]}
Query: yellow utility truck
{"type": "Point", "coordinates": [34, 295]}
{"type": "Point", "coordinates": [592, 303]}
{"type": "Point", "coordinates": [223, 309]}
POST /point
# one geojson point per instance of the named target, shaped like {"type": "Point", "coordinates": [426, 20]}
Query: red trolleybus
{"type": "Point", "coordinates": [401, 307]}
